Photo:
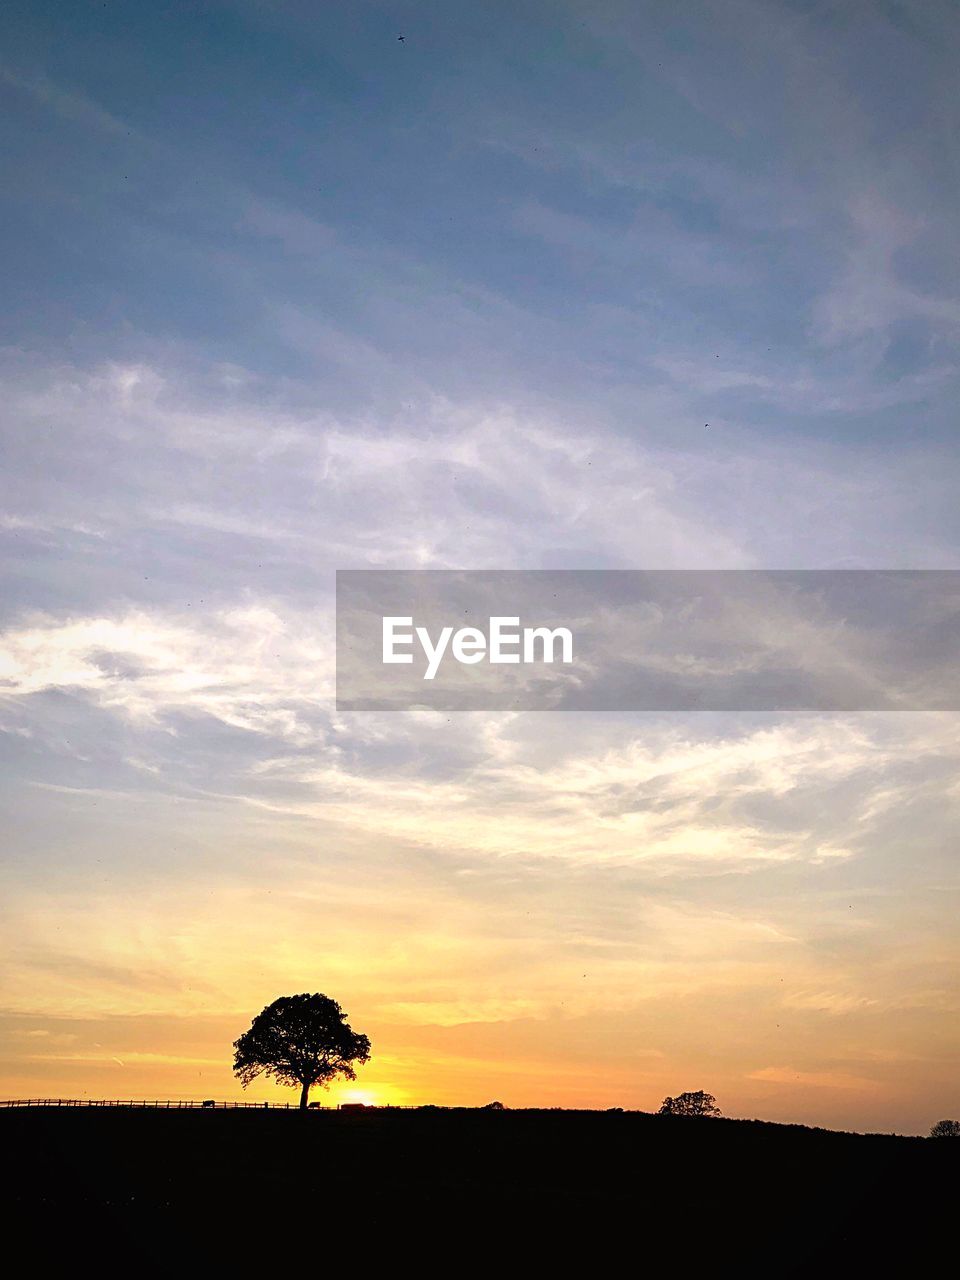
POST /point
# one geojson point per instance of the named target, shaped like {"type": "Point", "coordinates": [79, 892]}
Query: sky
{"type": "Point", "coordinates": [540, 285]}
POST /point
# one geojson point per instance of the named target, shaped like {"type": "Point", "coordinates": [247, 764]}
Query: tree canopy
{"type": "Point", "coordinates": [697, 1103]}
{"type": "Point", "coordinates": [300, 1040]}
{"type": "Point", "coordinates": [946, 1129]}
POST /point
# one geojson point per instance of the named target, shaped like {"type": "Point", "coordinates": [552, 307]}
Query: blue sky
{"type": "Point", "coordinates": [535, 201]}
{"type": "Point", "coordinates": [541, 285]}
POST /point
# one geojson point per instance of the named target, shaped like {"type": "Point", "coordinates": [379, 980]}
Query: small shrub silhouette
{"type": "Point", "coordinates": [696, 1103]}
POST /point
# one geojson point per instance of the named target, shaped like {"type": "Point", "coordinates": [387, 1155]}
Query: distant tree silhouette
{"type": "Point", "coordinates": [946, 1129]}
{"type": "Point", "coordinates": [300, 1040]}
{"type": "Point", "coordinates": [494, 1106]}
{"type": "Point", "coordinates": [690, 1104]}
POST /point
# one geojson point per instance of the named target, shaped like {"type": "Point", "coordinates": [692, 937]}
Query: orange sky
{"type": "Point", "coordinates": [802, 980]}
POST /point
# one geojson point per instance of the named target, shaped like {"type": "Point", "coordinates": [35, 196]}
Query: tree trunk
{"type": "Point", "coordinates": [303, 1095]}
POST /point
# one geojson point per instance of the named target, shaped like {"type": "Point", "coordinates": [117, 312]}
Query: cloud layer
{"type": "Point", "coordinates": [531, 290]}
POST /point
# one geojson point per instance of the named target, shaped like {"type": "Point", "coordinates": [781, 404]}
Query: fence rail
{"type": "Point", "coordinates": [159, 1104]}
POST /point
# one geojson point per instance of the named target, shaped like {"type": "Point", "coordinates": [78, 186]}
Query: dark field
{"type": "Point", "coordinates": [448, 1190]}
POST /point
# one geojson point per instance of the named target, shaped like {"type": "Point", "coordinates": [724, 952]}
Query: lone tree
{"type": "Point", "coordinates": [946, 1129]}
{"type": "Point", "coordinates": [690, 1104]}
{"type": "Point", "coordinates": [300, 1040]}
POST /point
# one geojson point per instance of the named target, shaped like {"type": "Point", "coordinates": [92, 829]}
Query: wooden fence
{"type": "Point", "coordinates": [159, 1104]}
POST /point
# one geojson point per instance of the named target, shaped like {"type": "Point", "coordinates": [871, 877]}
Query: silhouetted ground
{"type": "Point", "coordinates": [449, 1189]}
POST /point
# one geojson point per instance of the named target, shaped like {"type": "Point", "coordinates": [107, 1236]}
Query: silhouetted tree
{"type": "Point", "coordinates": [946, 1129]}
{"type": "Point", "coordinates": [300, 1040]}
{"type": "Point", "coordinates": [494, 1106]}
{"type": "Point", "coordinates": [690, 1104]}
